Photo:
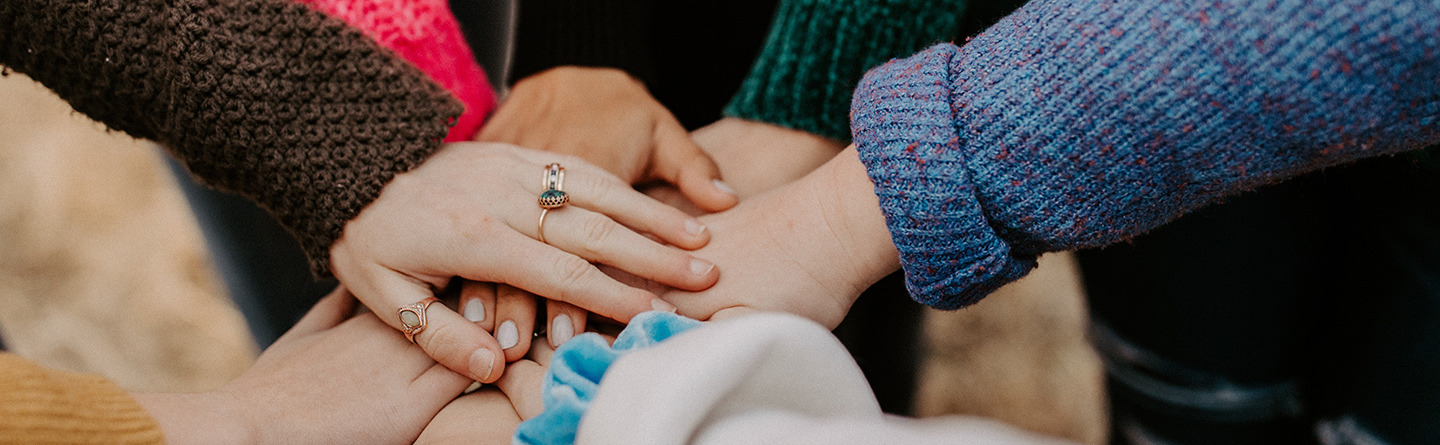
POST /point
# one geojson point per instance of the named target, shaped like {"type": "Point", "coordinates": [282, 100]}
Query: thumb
{"type": "Point", "coordinates": [328, 312]}
{"type": "Point", "coordinates": [679, 161]}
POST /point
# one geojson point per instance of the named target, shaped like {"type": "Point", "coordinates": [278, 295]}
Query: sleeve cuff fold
{"type": "Point", "coordinates": [907, 139]}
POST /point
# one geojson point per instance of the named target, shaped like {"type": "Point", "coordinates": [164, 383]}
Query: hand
{"type": "Point", "coordinates": [509, 314]}
{"type": "Point", "coordinates": [328, 379]}
{"type": "Point", "coordinates": [608, 118]}
{"type": "Point", "coordinates": [470, 211]}
{"type": "Point", "coordinates": [756, 157]}
{"type": "Point", "coordinates": [808, 248]}
{"type": "Point", "coordinates": [490, 415]}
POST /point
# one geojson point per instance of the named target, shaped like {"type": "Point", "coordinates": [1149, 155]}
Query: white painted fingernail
{"type": "Point", "coordinates": [662, 305]}
{"type": "Point", "coordinates": [508, 335]}
{"type": "Point", "coordinates": [475, 310]}
{"type": "Point", "coordinates": [561, 329]}
{"type": "Point", "coordinates": [482, 363]}
{"type": "Point", "coordinates": [694, 227]}
{"type": "Point", "coordinates": [700, 267]}
{"type": "Point", "coordinates": [474, 386]}
{"type": "Point", "coordinates": [724, 187]}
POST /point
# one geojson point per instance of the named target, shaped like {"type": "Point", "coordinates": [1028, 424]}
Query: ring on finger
{"type": "Point", "coordinates": [553, 197]}
{"type": "Point", "coordinates": [412, 317]}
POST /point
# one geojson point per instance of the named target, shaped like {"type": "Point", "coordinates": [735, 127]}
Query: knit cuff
{"type": "Point", "coordinates": [47, 406]}
{"type": "Point", "coordinates": [597, 33]}
{"type": "Point", "coordinates": [577, 368]}
{"type": "Point", "coordinates": [906, 134]}
{"type": "Point", "coordinates": [818, 49]}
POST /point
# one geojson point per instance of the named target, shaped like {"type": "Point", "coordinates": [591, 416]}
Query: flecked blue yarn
{"type": "Point", "coordinates": [577, 368]}
{"type": "Point", "coordinates": [1081, 123]}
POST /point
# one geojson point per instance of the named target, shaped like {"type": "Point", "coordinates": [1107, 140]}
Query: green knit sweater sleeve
{"type": "Point", "coordinates": [818, 49]}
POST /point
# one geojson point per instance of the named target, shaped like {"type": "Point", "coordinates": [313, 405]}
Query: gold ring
{"type": "Point", "coordinates": [553, 197]}
{"type": "Point", "coordinates": [412, 317]}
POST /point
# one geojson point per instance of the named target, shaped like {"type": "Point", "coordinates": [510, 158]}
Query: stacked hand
{"type": "Point", "coordinates": [471, 211]}
{"type": "Point", "coordinates": [807, 247]}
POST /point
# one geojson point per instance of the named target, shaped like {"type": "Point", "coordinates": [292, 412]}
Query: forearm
{"type": "Point", "coordinates": [202, 418]}
{"type": "Point", "coordinates": [1076, 124]}
{"type": "Point", "coordinates": [817, 51]}
{"type": "Point", "coordinates": [265, 98]}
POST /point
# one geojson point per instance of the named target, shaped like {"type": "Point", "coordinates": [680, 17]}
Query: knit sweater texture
{"type": "Point", "coordinates": [426, 34]}
{"type": "Point", "coordinates": [1073, 124]}
{"type": "Point", "coordinates": [817, 50]}
{"type": "Point", "coordinates": [266, 98]}
{"type": "Point", "coordinates": [39, 406]}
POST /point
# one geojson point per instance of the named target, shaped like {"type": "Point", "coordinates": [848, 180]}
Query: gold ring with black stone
{"type": "Point", "coordinates": [553, 197]}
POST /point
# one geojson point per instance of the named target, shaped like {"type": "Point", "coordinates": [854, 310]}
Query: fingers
{"type": "Point", "coordinates": [447, 337]}
{"type": "Point", "coordinates": [565, 321]}
{"type": "Point", "coordinates": [556, 274]}
{"type": "Point", "coordinates": [477, 303]}
{"type": "Point", "coordinates": [482, 417]}
{"type": "Point", "coordinates": [521, 383]}
{"type": "Point", "coordinates": [541, 353]}
{"type": "Point", "coordinates": [440, 380]}
{"type": "Point", "coordinates": [732, 312]}
{"type": "Point", "coordinates": [328, 312]}
{"type": "Point", "coordinates": [597, 238]}
{"type": "Point", "coordinates": [678, 160]}
{"type": "Point", "coordinates": [515, 315]}
{"type": "Point", "coordinates": [593, 188]}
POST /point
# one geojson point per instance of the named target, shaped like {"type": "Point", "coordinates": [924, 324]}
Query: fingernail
{"type": "Point", "coordinates": [662, 305]}
{"type": "Point", "coordinates": [473, 387]}
{"type": "Point", "coordinates": [700, 267]}
{"type": "Point", "coordinates": [475, 310]}
{"type": "Point", "coordinates": [561, 329]}
{"type": "Point", "coordinates": [482, 362]}
{"type": "Point", "coordinates": [694, 227]}
{"type": "Point", "coordinates": [724, 187]}
{"type": "Point", "coordinates": [507, 335]}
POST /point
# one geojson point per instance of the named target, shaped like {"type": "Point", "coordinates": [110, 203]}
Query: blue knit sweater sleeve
{"type": "Point", "coordinates": [1079, 123]}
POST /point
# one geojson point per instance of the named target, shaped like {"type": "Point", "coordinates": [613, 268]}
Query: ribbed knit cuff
{"type": "Point", "coordinates": [38, 405]}
{"type": "Point", "coordinates": [817, 50]}
{"type": "Point", "coordinates": [906, 134]}
{"type": "Point", "coordinates": [597, 33]}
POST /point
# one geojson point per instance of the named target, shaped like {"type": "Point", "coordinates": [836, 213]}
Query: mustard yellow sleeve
{"type": "Point", "coordinates": [45, 406]}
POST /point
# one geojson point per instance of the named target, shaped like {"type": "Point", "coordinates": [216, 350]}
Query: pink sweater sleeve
{"type": "Point", "coordinates": [425, 33]}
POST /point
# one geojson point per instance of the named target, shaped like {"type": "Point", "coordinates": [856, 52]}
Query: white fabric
{"type": "Point", "coordinates": [760, 379]}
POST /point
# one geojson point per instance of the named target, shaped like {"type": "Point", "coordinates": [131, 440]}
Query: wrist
{"type": "Point", "coordinates": [848, 205]}
{"type": "Point", "coordinates": [208, 418]}
{"type": "Point", "coordinates": [755, 157]}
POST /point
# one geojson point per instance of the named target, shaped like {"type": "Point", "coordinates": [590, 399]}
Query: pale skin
{"type": "Point", "coordinates": [608, 118]}
{"type": "Point", "coordinates": [822, 240]}
{"type": "Point", "coordinates": [809, 248]}
{"type": "Point", "coordinates": [490, 415]}
{"type": "Point", "coordinates": [754, 157]}
{"type": "Point", "coordinates": [332, 378]}
{"type": "Point", "coordinates": [470, 211]}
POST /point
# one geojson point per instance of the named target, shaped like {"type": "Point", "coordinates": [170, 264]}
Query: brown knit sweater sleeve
{"type": "Point", "coordinates": [39, 405]}
{"type": "Point", "coordinates": [266, 98]}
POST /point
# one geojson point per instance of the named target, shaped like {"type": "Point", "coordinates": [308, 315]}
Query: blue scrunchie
{"type": "Point", "coordinates": [575, 373]}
